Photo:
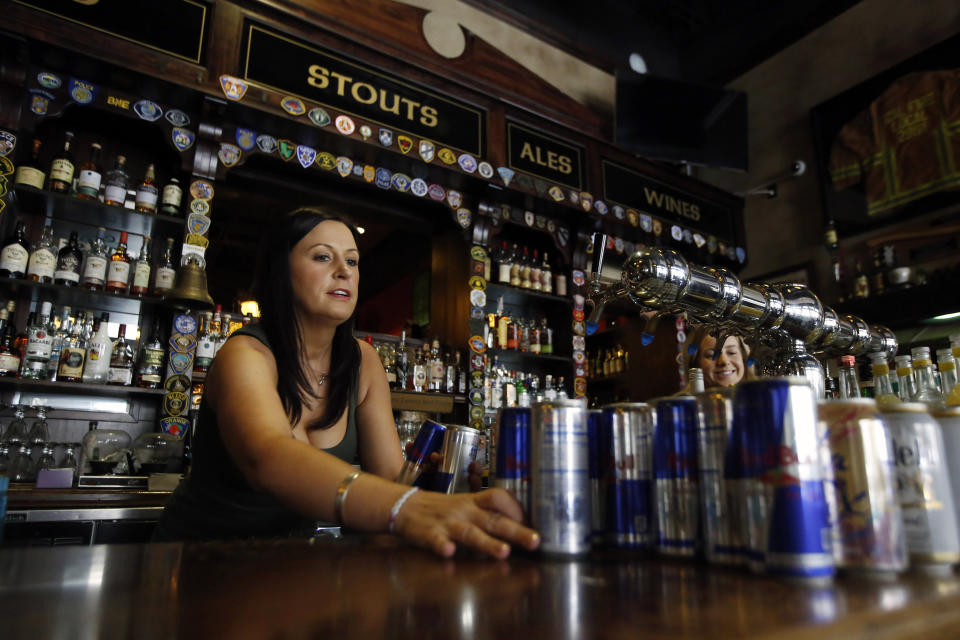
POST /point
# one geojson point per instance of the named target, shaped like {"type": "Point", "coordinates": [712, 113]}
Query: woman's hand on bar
{"type": "Point", "coordinates": [488, 521]}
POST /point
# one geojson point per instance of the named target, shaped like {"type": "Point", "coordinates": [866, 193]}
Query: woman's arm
{"type": "Point", "coordinates": [377, 433]}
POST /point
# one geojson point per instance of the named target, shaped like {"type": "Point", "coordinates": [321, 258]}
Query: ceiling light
{"type": "Point", "coordinates": [250, 307]}
{"type": "Point", "coordinates": [945, 317]}
{"type": "Point", "coordinates": [361, 230]}
{"type": "Point", "coordinates": [637, 63]}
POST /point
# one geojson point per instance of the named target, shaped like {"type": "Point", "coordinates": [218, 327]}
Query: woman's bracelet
{"type": "Point", "coordinates": [395, 510]}
{"type": "Point", "coordinates": [342, 490]}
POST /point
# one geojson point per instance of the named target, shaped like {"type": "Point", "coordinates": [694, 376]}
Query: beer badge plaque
{"type": "Point", "coordinates": [177, 118]}
{"type": "Point", "coordinates": [419, 187]}
{"type": "Point", "coordinates": [293, 106]}
{"type": "Point", "coordinates": [179, 363]}
{"type": "Point", "coordinates": [175, 403]}
{"type": "Point", "coordinates": [427, 150]}
{"type": "Point", "coordinates": [382, 179]}
{"type": "Point", "coordinates": [477, 345]}
{"type": "Point", "coordinates": [600, 207]}
{"type": "Point", "coordinates": [506, 174]}
{"type": "Point", "coordinates": [326, 161]}
{"type": "Point", "coordinates": [464, 217]}
{"type": "Point", "coordinates": [467, 162]}
{"type": "Point", "coordinates": [229, 154]}
{"type": "Point", "coordinates": [386, 137]}
{"type": "Point", "coordinates": [447, 156]}
{"type": "Point", "coordinates": [48, 80]}
{"type": "Point", "coordinates": [574, 197]}
{"type": "Point", "coordinates": [556, 193]}
{"type": "Point", "coordinates": [476, 361]}
{"type": "Point", "coordinates": [478, 297]}
{"type": "Point", "coordinates": [198, 223]}
{"type": "Point", "coordinates": [201, 190]}
{"type": "Point", "coordinates": [401, 182]}
{"type": "Point", "coordinates": [436, 192]}
{"type": "Point", "coordinates": [646, 223]}
{"type": "Point", "coordinates": [485, 169]}
{"type": "Point", "coordinates": [246, 139]}
{"type": "Point", "coordinates": [405, 143]}
{"type": "Point", "coordinates": [287, 149]}
{"type": "Point", "coordinates": [358, 170]}
{"type": "Point", "coordinates": [174, 425]}
{"type": "Point", "coordinates": [369, 173]}
{"type": "Point", "coordinates": [529, 218]}
{"type": "Point", "coordinates": [81, 91]}
{"type": "Point", "coordinates": [201, 207]}
{"type": "Point", "coordinates": [39, 101]}
{"type": "Point", "coordinates": [365, 131]}
{"type": "Point", "coordinates": [676, 233]}
{"type": "Point", "coordinates": [476, 313]}
{"type": "Point", "coordinates": [178, 382]}
{"type": "Point", "coordinates": [266, 143]}
{"type": "Point", "coordinates": [148, 110]}
{"type": "Point", "coordinates": [319, 116]}
{"type": "Point", "coordinates": [344, 166]}
{"type": "Point", "coordinates": [233, 87]}
{"type": "Point", "coordinates": [345, 125]}
{"type": "Point", "coordinates": [306, 155]}
{"type": "Point", "coordinates": [619, 212]}
{"type": "Point", "coordinates": [183, 139]}
{"type": "Point", "coordinates": [586, 201]}
{"type": "Point", "coordinates": [454, 198]}
{"type": "Point", "coordinates": [8, 143]}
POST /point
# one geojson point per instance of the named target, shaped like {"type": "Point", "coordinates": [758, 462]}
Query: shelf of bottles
{"type": "Point", "coordinates": [47, 386]}
{"type": "Point", "coordinates": [422, 369]}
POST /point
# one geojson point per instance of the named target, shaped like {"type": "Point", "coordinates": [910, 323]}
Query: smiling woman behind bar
{"type": "Point", "coordinates": [727, 368]}
{"type": "Point", "coordinates": [289, 402]}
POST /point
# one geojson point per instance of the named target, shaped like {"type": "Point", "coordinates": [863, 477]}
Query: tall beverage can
{"type": "Point", "coordinates": [923, 484]}
{"type": "Point", "coordinates": [511, 464]}
{"type": "Point", "coordinates": [626, 473]}
{"type": "Point", "coordinates": [949, 419]}
{"type": "Point", "coordinates": [782, 480]}
{"type": "Point", "coordinates": [459, 449]}
{"type": "Point", "coordinates": [429, 440]}
{"type": "Point", "coordinates": [559, 475]}
{"type": "Point", "coordinates": [595, 447]}
{"type": "Point", "coordinates": [868, 527]}
{"type": "Point", "coordinates": [719, 506]}
{"type": "Point", "coordinates": [675, 476]}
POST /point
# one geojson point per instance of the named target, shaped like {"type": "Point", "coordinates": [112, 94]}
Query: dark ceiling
{"type": "Point", "coordinates": [701, 41]}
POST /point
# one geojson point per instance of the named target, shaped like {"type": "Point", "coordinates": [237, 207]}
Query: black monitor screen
{"type": "Point", "coordinates": [664, 119]}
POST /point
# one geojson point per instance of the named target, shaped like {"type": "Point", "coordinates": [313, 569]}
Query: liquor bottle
{"type": "Point", "coordinates": [15, 253]}
{"type": "Point", "coordinates": [99, 350]}
{"type": "Point", "coordinates": [546, 275]}
{"type": "Point", "coordinates": [39, 345]}
{"type": "Point", "coordinates": [947, 366]}
{"type": "Point", "coordinates": [29, 174]}
{"type": "Point", "coordinates": [62, 168]}
{"type": "Point", "coordinates": [490, 331]}
{"type": "Point", "coordinates": [515, 266]}
{"type": "Point", "coordinates": [149, 369]}
{"type": "Point", "coordinates": [419, 374]}
{"type": "Point", "coordinates": [861, 284]}
{"type": "Point", "coordinates": [402, 363]}
{"type": "Point", "coordinates": [9, 357]}
{"type": "Point", "coordinates": [513, 334]}
{"type": "Point", "coordinates": [171, 197]}
{"type": "Point", "coordinates": [73, 353]}
{"type": "Point", "coordinates": [546, 338]}
{"type": "Point", "coordinates": [525, 270]}
{"type": "Point", "coordinates": [536, 272]}
{"type": "Point", "coordinates": [226, 322]}
{"type": "Point", "coordinates": [68, 263]}
{"type": "Point", "coordinates": [503, 325]}
{"type": "Point", "coordinates": [60, 332]}
{"type": "Point", "coordinates": [955, 345]}
{"type": "Point", "coordinates": [146, 200]}
{"type": "Point", "coordinates": [849, 383]}
{"type": "Point", "coordinates": [141, 270]}
{"type": "Point", "coordinates": [561, 388]}
{"type": "Point", "coordinates": [882, 387]}
{"type": "Point", "coordinates": [95, 268]}
{"type": "Point", "coordinates": [206, 344]}
{"type": "Point", "coordinates": [436, 369]}
{"type": "Point", "coordinates": [877, 281]}
{"type": "Point", "coordinates": [20, 342]}
{"type": "Point", "coordinates": [535, 337]}
{"type": "Point", "coordinates": [43, 258]}
{"type": "Point", "coordinates": [118, 271]}
{"type": "Point", "coordinates": [549, 393]}
{"type": "Point", "coordinates": [115, 189]}
{"type": "Point", "coordinates": [121, 360]}
{"type": "Point", "coordinates": [461, 374]}
{"type": "Point", "coordinates": [504, 263]}
{"type": "Point", "coordinates": [927, 390]}
{"type": "Point", "coordinates": [906, 383]}
{"type": "Point", "coordinates": [90, 175]}
{"type": "Point", "coordinates": [450, 379]}
{"type": "Point", "coordinates": [166, 272]}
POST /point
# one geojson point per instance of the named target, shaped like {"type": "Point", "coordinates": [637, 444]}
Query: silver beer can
{"type": "Point", "coordinates": [459, 449]}
{"type": "Point", "coordinates": [559, 474]}
{"type": "Point", "coordinates": [719, 503]}
{"type": "Point", "coordinates": [923, 484]}
{"type": "Point", "coordinates": [949, 420]}
{"type": "Point", "coordinates": [626, 453]}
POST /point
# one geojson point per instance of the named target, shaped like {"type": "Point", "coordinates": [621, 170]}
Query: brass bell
{"type": "Point", "coordinates": [190, 290]}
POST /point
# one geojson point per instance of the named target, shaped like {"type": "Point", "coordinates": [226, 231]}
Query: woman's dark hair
{"type": "Point", "coordinates": [273, 290]}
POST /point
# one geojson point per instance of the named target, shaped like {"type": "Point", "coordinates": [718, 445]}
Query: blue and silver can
{"type": "Point", "coordinates": [719, 506]}
{"type": "Point", "coordinates": [626, 473]}
{"type": "Point", "coordinates": [511, 455]}
{"type": "Point", "coordinates": [783, 481]}
{"type": "Point", "coordinates": [429, 440]}
{"type": "Point", "coordinates": [460, 447]}
{"type": "Point", "coordinates": [676, 479]}
{"type": "Point", "coordinates": [595, 446]}
{"type": "Point", "coordinates": [559, 476]}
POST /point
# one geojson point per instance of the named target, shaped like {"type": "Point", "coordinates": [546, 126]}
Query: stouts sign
{"type": "Point", "coordinates": [296, 68]}
{"type": "Point", "coordinates": [544, 156]}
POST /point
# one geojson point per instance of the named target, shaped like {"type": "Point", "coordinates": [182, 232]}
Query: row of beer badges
{"type": "Point", "coordinates": [177, 384]}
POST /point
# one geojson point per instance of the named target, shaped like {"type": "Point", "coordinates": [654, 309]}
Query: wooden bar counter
{"type": "Point", "coordinates": [377, 587]}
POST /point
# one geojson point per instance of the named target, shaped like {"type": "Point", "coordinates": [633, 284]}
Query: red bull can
{"type": "Point", "coordinates": [511, 454]}
{"type": "Point", "coordinates": [868, 527]}
{"type": "Point", "coordinates": [559, 476]}
{"type": "Point", "coordinates": [719, 507]}
{"type": "Point", "coordinates": [626, 470]}
{"type": "Point", "coordinates": [429, 440]}
{"type": "Point", "coordinates": [675, 476]}
{"type": "Point", "coordinates": [597, 511]}
{"type": "Point", "coordinates": [782, 482]}
{"type": "Point", "coordinates": [460, 447]}
{"type": "Point", "coordinates": [923, 485]}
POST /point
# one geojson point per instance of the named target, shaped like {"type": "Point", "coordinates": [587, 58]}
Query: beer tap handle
{"type": "Point", "coordinates": [599, 248]}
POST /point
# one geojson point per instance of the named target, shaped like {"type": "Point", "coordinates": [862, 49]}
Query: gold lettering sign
{"type": "Point", "coordinates": [545, 156]}
{"type": "Point", "coordinates": [669, 203]}
{"type": "Point", "coordinates": [551, 159]}
{"type": "Point", "coordinates": [114, 101]}
{"type": "Point", "coordinates": [365, 93]}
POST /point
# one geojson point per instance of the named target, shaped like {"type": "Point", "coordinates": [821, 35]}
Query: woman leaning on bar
{"type": "Point", "coordinates": [725, 368]}
{"type": "Point", "coordinates": [290, 401]}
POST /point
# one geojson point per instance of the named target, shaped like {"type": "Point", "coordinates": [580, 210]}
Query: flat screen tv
{"type": "Point", "coordinates": [669, 120]}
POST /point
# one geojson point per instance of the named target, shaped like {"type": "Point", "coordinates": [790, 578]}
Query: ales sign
{"type": "Point", "coordinates": [296, 68]}
{"type": "Point", "coordinates": [544, 156]}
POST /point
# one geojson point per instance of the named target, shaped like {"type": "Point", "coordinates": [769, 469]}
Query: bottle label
{"type": "Point", "coordinates": [39, 345]}
{"type": "Point", "coordinates": [71, 362]}
{"type": "Point", "coordinates": [115, 193]}
{"type": "Point", "coordinates": [42, 263]}
{"type": "Point", "coordinates": [172, 195]}
{"type": "Point", "coordinates": [9, 362]}
{"type": "Point", "coordinates": [152, 357]}
{"type": "Point", "coordinates": [61, 169]}
{"type": "Point", "coordinates": [89, 182]}
{"type": "Point", "coordinates": [14, 258]}
{"type": "Point", "coordinates": [141, 275]}
{"type": "Point", "coordinates": [504, 273]}
{"type": "Point", "coordinates": [147, 196]}
{"type": "Point", "coordinates": [96, 351]}
{"type": "Point", "coordinates": [95, 271]}
{"type": "Point", "coordinates": [119, 375]}
{"type": "Point", "coordinates": [30, 177]}
{"type": "Point", "coordinates": [118, 273]}
{"type": "Point", "coordinates": [165, 277]}
{"type": "Point", "coordinates": [68, 268]}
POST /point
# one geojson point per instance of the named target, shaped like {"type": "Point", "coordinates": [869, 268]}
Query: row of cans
{"type": "Point", "coordinates": [458, 444]}
{"type": "Point", "coordinates": [758, 476]}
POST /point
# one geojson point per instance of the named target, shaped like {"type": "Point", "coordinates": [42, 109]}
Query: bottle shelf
{"type": "Point", "coordinates": [495, 289]}
{"type": "Point", "coordinates": [81, 388]}
{"type": "Point", "coordinates": [69, 208]}
{"type": "Point", "coordinates": [75, 297]}
{"type": "Point", "coordinates": [520, 355]}
{"type": "Point", "coordinates": [430, 402]}
{"type": "Point", "coordinates": [905, 307]}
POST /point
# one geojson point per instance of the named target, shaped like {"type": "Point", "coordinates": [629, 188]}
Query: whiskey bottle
{"type": "Point", "coordinates": [535, 272]}
{"type": "Point", "coordinates": [165, 271]}
{"type": "Point", "coordinates": [121, 360]}
{"type": "Point", "coordinates": [115, 189]}
{"type": "Point", "coordinates": [141, 270]}
{"type": "Point", "coordinates": [171, 198]}
{"type": "Point", "coordinates": [95, 269]}
{"type": "Point", "coordinates": [504, 262]}
{"type": "Point", "coordinates": [149, 372]}
{"type": "Point", "coordinates": [90, 175]}
{"type": "Point", "coordinates": [58, 335]}
{"type": "Point", "coordinates": [146, 199]}
{"type": "Point", "coordinates": [43, 258]}
{"type": "Point", "coordinates": [15, 254]}
{"type": "Point", "coordinates": [68, 263]}
{"type": "Point", "coordinates": [546, 275]}
{"type": "Point", "coordinates": [73, 353]}
{"type": "Point", "coordinates": [9, 357]}
{"type": "Point", "coordinates": [118, 271]}
{"type": "Point", "coordinates": [62, 168]}
{"type": "Point", "coordinates": [402, 363]}
{"type": "Point", "coordinates": [29, 174]}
